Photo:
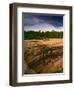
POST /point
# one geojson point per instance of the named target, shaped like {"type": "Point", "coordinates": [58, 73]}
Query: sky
{"type": "Point", "coordinates": [43, 22]}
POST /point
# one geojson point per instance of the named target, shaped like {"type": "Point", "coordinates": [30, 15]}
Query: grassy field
{"type": "Point", "coordinates": [43, 56]}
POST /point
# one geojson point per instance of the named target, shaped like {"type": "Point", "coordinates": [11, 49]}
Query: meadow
{"type": "Point", "coordinates": [43, 52]}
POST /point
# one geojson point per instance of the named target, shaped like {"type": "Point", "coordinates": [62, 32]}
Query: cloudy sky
{"type": "Point", "coordinates": [43, 22]}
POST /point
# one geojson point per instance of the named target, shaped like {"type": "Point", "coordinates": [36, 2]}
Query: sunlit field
{"type": "Point", "coordinates": [43, 56]}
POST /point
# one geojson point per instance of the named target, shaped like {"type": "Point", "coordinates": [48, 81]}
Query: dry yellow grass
{"type": "Point", "coordinates": [33, 51]}
{"type": "Point", "coordinates": [55, 66]}
{"type": "Point", "coordinates": [51, 42]}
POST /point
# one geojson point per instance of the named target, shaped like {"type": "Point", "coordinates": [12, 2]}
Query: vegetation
{"type": "Point", "coordinates": [43, 56]}
{"type": "Point", "coordinates": [43, 52]}
{"type": "Point", "coordinates": [42, 35]}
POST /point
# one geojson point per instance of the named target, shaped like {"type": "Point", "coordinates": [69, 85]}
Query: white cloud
{"type": "Point", "coordinates": [43, 27]}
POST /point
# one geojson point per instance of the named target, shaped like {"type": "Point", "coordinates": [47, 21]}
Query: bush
{"type": "Point", "coordinates": [42, 35]}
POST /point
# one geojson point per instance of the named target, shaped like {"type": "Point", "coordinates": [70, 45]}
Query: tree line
{"type": "Point", "coordinates": [42, 35]}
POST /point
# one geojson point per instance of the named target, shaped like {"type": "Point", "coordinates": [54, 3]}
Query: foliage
{"type": "Point", "coordinates": [42, 35]}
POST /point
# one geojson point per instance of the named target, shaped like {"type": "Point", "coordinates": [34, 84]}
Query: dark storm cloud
{"type": "Point", "coordinates": [31, 20]}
